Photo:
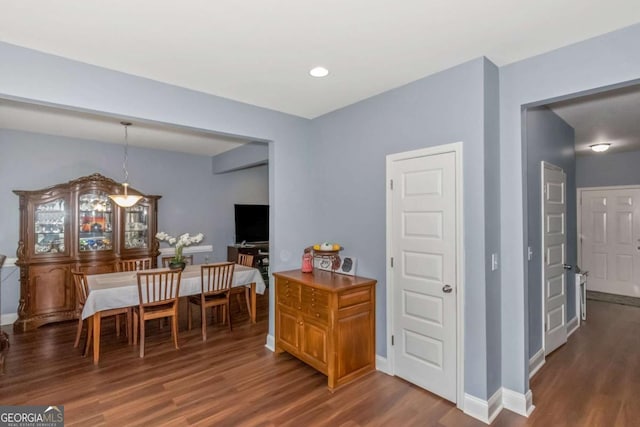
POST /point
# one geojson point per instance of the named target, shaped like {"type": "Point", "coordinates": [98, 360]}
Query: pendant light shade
{"type": "Point", "coordinates": [125, 200]}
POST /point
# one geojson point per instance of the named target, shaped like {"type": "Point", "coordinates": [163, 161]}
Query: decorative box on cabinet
{"type": "Point", "coordinates": [75, 226]}
{"type": "Point", "coordinates": [327, 320]}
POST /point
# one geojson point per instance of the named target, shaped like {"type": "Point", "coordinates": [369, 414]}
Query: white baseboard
{"type": "Point", "coordinates": [8, 319]}
{"type": "Point", "coordinates": [503, 398]}
{"type": "Point", "coordinates": [521, 404]}
{"type": "Point", "coordinates": [536, 362]}
{"type": "Point", "coordinates": [382, 364]}
{"type": "Point", "coordinates": [271, 342]}
{"type": "Point", "coordinates": [483, 410]}
{"type": "Point", "coordinates": [572, 326]}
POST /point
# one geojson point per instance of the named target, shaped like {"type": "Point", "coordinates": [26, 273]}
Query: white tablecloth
{"type": "Point", "coordinates": [115, 290]}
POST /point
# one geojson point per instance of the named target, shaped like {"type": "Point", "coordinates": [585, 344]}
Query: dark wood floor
{"type": "Point", "coordinates": [232, 379]}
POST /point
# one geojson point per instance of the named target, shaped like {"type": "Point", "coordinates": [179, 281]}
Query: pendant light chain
{"type": "Point", "coordinates": [125, 200]}
{"type": "Point", "coordinates": [126, 150]}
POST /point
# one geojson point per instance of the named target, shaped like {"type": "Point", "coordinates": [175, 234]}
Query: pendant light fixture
{"type": "Point", "coordinates": [125, 200]}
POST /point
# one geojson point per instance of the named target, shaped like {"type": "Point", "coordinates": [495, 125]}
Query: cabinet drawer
{"type": "Point", "coordinates": [288, 293]}
{"type": "Point", "coordinates": [350, 298]}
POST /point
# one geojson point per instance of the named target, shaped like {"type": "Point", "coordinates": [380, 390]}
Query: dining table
{"type": "Point", "coordinates": [116, 290]}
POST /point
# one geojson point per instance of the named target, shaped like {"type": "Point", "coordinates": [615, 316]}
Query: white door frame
{"type": "Point", "coordinates": [579, 192]}
{"type": "Point", "coordinates": [456, 148]}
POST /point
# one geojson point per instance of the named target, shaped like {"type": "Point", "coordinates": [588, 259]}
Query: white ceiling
{"type": "Point", "coordinates": [260, 51]}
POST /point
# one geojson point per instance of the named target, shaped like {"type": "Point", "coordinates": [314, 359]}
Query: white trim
{"type": "Point", "coordinates": [536, 362]}
{"type": "Point", "coordinates": [382, 364]}
{"type": "Point", "coordinates": [516, 402]}
{"type": "Point", "coordinates": [8, 318]}
{"type": "Point", "coordinates": [10, 263]}
{"type": "Point", "coordinates": [187, 250]}
{"type": "Point", "coordinates": [573, 325]}
{"type": "Point", "coordinates": [485, 411]}
{"type": "Point", "coordinates": [457, 149]}
{"type": "Point", "coordinates": [271, 342]}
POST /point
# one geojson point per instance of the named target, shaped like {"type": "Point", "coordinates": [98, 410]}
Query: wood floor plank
{"type": "Point", "coordinates": [233, 380]}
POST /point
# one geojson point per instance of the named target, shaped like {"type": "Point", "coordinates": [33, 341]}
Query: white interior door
{"type": "Point", "coordinates": [610, 240]}
{"type": "Point", "coordinates": [423, 247]}
{"type": "Point", "coordinates": [554, 245]}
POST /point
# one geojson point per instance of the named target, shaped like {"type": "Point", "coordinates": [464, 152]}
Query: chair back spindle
{"type": "Point", "coordinates": [159, 286]}
{"type": "Point", "coordinates": [134, 264]}
{"type": "Point", "coordinates": [245, 259]}
{"type": "Point", "coordinates": [216, 278]}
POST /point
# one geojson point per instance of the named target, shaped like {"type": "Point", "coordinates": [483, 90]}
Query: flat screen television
{"type": "Point", "coordinates": [252, 223]}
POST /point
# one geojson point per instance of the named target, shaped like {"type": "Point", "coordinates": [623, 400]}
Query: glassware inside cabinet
{"type": "Point", "coordinates": [49, 227]}
{"type": "Point", "coordinates": [95, 219]}
{"type": "Point", "coordinates": [136, 229]}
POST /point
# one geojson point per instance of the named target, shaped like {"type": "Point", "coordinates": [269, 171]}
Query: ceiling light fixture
{"type": "Point", "coordinates": [125, 200]}
{"type": "Point", "coordinates": [599, 148]}
{"type": "Point", "coordinates": [319, 72]}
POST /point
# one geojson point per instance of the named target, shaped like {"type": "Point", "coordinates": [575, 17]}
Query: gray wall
{"type": "Point", "coordinates": [248, 186]}
{"type": "Point", "coordinates": [492, 224]}
{"type": "Point", "coordinates": [349, 150]}
{"type": "Point", "coordinates": [608, 169]}
{"type": "Point", "coordinates": [550, 139]}
{"type": "Point", "coordinates": [31, 161]}
{"type": "Point", "coordinates": [611, 59]}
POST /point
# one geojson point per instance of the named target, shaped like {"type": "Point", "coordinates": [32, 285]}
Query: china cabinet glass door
{"type": "Point", "coordinates": [49, 224]}
{"type": "Point", "coordinates": [95, 219]}
{"type": "Point", "coordinates": [136, 227]}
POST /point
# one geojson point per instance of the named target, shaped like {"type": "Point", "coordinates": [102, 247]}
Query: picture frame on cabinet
{"type": "Point", "coordinates": [347, 265]}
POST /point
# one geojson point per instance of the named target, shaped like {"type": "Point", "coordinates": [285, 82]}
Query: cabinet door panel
{"type": "Point", "coordinates": [355, 341]}
{"type": "Point", "coordinates": [51, 289]}
{"type": "Point", "coordinates": [288, 334]}
{"type": "Point", "coordinates": [313, 344]}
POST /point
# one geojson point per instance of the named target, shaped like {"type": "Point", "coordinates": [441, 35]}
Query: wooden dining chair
{"type": "Point", "coordinates": [158, 293]}
{"type": "Point", "coordinates": [134, 264]}
{"type": "Point", "coordinates": [246, 260]}
{"type": "Point", "coordinates": [215, 282]}
{"type": "Point", "coordinates": [82, 292]}
{"type": "Point", "coordinates": [188, 259]}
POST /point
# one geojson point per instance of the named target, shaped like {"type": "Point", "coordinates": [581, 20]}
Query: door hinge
{"type": "Point", "coordinates": [391, 262]}
{"type": "Point", "coordinates": [390, 184]}
{"type": "Point", "coordinates": [392, 340]}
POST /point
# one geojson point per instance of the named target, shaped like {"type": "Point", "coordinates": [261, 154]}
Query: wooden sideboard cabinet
{"type": "Point", "coordinates": [75, 226]}
{"type": "Point", "coordinates": [327, 320]}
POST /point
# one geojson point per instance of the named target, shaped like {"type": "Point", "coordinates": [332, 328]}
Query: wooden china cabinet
{"type": "Point", "coordinates": [75, 226]}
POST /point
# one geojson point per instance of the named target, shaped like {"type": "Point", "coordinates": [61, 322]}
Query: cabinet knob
{"type": "Point", "coordinates": [299, 308]}
{"type": "Point", "coordinates": [317, 314]}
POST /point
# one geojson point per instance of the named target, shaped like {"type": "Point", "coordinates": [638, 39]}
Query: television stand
{"type": "Point", "coordinates": [260, 252]}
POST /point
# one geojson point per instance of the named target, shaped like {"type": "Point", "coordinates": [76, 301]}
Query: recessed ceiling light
{"type": "Point", "coordinates": [599, 148]}
{"type": "Point", "coordinates": [319, 72]}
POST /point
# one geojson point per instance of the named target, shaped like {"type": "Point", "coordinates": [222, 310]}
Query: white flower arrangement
{"type": "Point", "coordinates": [183, 240]}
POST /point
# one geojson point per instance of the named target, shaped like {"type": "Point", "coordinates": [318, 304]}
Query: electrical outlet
{"type": "Point", "coordinates": [494, 262]}
{"type": "Point", "coordinates": [529, 253]}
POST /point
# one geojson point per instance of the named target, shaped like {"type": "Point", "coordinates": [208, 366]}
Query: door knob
{"type": "Point", "coordinates": [447, 289]}
{"type": "Point", "coordinates": [567, 266]}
